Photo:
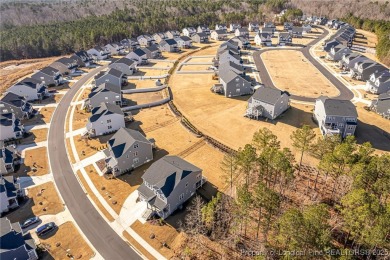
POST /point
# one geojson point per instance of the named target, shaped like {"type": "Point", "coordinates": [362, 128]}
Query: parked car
{"type": "Point", "coordinates": [45, 229]}
{"type": "Point", "coordinates": [30, 222]}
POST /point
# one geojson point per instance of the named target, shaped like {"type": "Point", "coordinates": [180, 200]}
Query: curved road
{"type": "Point", "coordinates": [105, 240]}
{"type": "Point", "coordinates": [345, 93]}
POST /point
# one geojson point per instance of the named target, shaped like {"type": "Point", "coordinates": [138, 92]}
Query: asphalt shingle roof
{"type": "Point", "coordinates": [336, 107]}
{"type": "Point", "coordinates": [123, 140]}
{"type": "Point", "coordinates": [268, 95]}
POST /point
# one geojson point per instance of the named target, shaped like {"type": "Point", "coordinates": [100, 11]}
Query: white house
{"type": "Point", "coordinates": [10, 127]}
{"type": "Point", "coordinates": [106, 118]}
{"type": "Point", "coordinates": [30, 89]}
{"type": "Point", "coordinates": [220, 27]}
{"type": "Point", "coordinates": [234, 26]}
{"type": "Point", "coordinates": [183, 42]}
{"type": "Point", "coordinates": [263, 39]}
{"type": "Point", "coordinates": [242, 32]}
{"type": "Point", "coordinates": [139, 56]}
{"type": "Point", "coordinates": [219, 35]}
{"type": "Point", "coordinates": [189, 31]}
{"type": "Point", "coordinates": [253, 27]}
{"type": "Point", "coordinates": [99, 53]}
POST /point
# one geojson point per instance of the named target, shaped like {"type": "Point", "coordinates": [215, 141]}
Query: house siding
{"type": "Point", "coordinates": [106, 124]}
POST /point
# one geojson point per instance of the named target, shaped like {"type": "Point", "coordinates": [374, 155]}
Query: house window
{"type": "Point", "coordinates": [109, 121]}
{"type": "Point", "coordinates": [127, 156]}
{"type": "Point", "coordinates": [135, 153]}
{"type": "Point", "coordinates": [136, 146]}
{"type": "Point", "coordinates": [109, 127]}
{"type": "Point", "coordinates": [181, 196]}
{"type": "Point", "coordinates": [135, 160]}
{"type": "Point", "coordinates": [186, 184]}
{"type": "Point", "coordinates": [198, 176]}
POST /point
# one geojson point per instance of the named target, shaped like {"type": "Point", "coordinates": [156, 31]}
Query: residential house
{"type": "Point", "coordinates": [10, 191]}
{"type": "Point", "coordinates": [49, 76]}
{"type": "Point", "coordinates": [219, 35]}
{"type": "Point", "coordinates": [296, 32]}
{"type": "Point", "coordinates": [330, 23]}
{"type": "Point", "coordinates": [139, 56]}
{"type": "Point", "coordinates": [112, 76]}
{"type": "Point", "coordinates": [152, 52]}
{"type": "Point", "coordinates": [228, 55]}
{"type": "Point", "coordinates": [287, 26]}
{"type": "Point", "coordinates": [65, 66]}
{"type": "Point", "coordinates": [12, 103]}
{"type": "Point", "coordinates": [221, 27]}
{"type": "Point", "coordinates": [267, 30]}
{"type": "Point", "coordinates": [29, 88]}
{"type": "Point", "coordinates": [243, 31]}
{"type": "Point", "coordinates": [125, 65]}
{"type": "Point", "coordinates": [189, 31]}
{"type": "Point", "coordinates": [268, 102]}
{"type": "Point", "coordinates": [253, 27]}
{"type": "Point", "coordinates": [115, 49]}
{"type": "Point", "coordinates": [233, 84]}
{"type": "Point", "coordinates": [9, 158]}
{"type": "Point", "coordinates": [172, 34]}
{"type": "Point", "coordinates": [183, 42]}
{"type": "Point", "coordinates": [82, 58]}
{"type": "Point", "coordinates": [203, 29]}
{"type": "Point", "coordinates": [336, 52]}
{"type": "Point", "coordinates": [167, 184]}
{"type": "Point", "coordinates": [107, 93]}
{"type": "Point", "coordinates": [200, 38]}
{"type": "Point", "coordinates": [263, 39]}
{"type": "Point", "coordinates": [366, 69]}
{"type": "Point", "coordinates": [130, 44]}
{"type": "Point", "coordinates": [145, 40]}
{"type": "Point", "coordinates": [126, 150]}
{"type": "Point", "coordinates": [10, 127]}
{"type": "Point", "coordinates": [349, 58]}
{"type": "Point", "coordinates": [327, 47]}
{"type": "Point", "coordinates": [158, 37]}
{"type": "Point", "coordinates": [99, 53]}
{"type": "Point", "coordinates": [284, 39]}
{"type": "Point", "coordinates": [14, 244]}
{"type": "Point", "coordinates": [379, 82]}
{"type": "Point", "coordinates": [234, 26]}
{"type": "Point", "coordinates": [270, 25]}
{"type": "Point", "coordinates": [335, 117]}
{"type": "Point", "coordinates": [382, 105]}
{"type": "Point", "coordinates": [237, 68]}
{"type": "Point", "coordinates": [243, 42]}
{"type": "Point", "coordinates": [169, 45]}
{"type": "Point", "coordinates": [106, 118]}
{"type": "Point", "coordinates": [306, 28]}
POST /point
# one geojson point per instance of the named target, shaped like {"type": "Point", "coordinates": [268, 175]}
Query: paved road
{"type": "Point", "coordinates": [345, 93]}
{"type": "Point", "coordinates": [106, 241]}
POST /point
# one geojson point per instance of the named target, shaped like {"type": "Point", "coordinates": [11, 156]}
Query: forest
{"type": "Point", "coordinates": [42, 29]}
{"type": "Point", "coordinates": [283, 208]}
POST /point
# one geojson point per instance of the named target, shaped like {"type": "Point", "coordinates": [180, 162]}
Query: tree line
{"type": "Point", "coordinates": [275, 205]}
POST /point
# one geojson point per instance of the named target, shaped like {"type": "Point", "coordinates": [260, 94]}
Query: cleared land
{"type": "Point", "coordinates": [142, 98]}
{"type": "Point", "coordinates": [291, 71]}
{"type": "Point", "coordinates": [146, 83]}
{"type": "Point", "coordinates": [135, 244]}
{"type": "Point", "coordinates": [35, 163]}
{"type": "Point", "coordinates": [36, 136]}
{"type": "Point", "coordinates": [80, 118]}
{"type": "Point", "coordinates": [191, 67]}
{"type": "Point", "coordinates": [67, 237]}
{"type": "Point", "coordinates": [87, 147]}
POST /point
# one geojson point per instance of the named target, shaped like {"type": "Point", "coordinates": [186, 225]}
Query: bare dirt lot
{"type": "Point", "coordinates": [365, 38]}
{"type": "Point", "coordinates": [67, 237]}
{"type": "Point", "coordinates": [80, 118]}
{"type": "Point", "coordinates": [143, 98]}
{"type": "Point", "coordinates": [291, 71]}
{"type": "Point", "coordinates": [36, 136]}
{"type": "Point", "coordinates": [87, 147]}
{"type": "Point", "coordinates": [190, 67]}
{"type": "Point", "coordinates": [146, 83]}
{"type": "Point", "coordinates": [35, 163]}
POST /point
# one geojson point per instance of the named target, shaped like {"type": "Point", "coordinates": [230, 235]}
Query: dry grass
{"type": "Point", "coordinates": [365, 38]}
{"type": "Point", "coordinates": [67, 237]}
{"type": "Point", "coordinates": [143, 98]}
{"type": "Point", "coordinates": [194, 67]}
{"type": "Point", "coordinates": [292, 72]}
{"type": "Point", "coordinates": [45, 199]}
{"type": "Point", "coordinates": [35, 163]}
{"type": "Point", "coordinates": [152, 72]}
{"type": "Point", "coordinates": [195, 58]}
{"type": "Point", "coordinates": [69, 151]}
{"type": "Point", "coordinates": [80, 118]}
{"type": "Point", "coordinates": [164, 233]}
{"type": "Point", "coordinates": [87, 147]}
{"type": "Point", "coordinates": [36, 136]}
{"type": "Point", "coordinates": [146, 83]}
{"type": "Point", "coordinates": [94, 198]}
{"type": "Point", "coordinates": [135, 244]}
{"type": "Point", "coordinates": [46, 113]}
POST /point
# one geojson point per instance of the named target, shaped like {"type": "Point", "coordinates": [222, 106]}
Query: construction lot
{"type": "Point", "coordinates": [292, 72]}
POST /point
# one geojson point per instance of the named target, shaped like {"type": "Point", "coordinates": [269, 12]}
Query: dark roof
{"type": "Point", "coordinates": [222, 31]}
{"type": "Point", "coordinates": [336, 107]}
{"type": "Point", "coordinates": [200, 34]}
{"type": "Point", "coordinates": [268, 95]}
{"type": "Point", "coordinates": [139, 52]}
{"type": "Point", "coordinates": [153, 47]}
{"type": "Point", "coordinates": [13, 99]}
{"type": "Point", "coordinates": [105, 109]}
{"type": "Point", "coordinates": [105, 87]}
{"type": "Point", "coordinates": [167, 172]}
{"type": "Point", "coordinates": [185, 38]}
{"type": "Point", "coordinates": [49, 71]}
{"type": "Point", "coordinates": [115, 72]}
{"type": "Point", "coordinates": [123, 140]}
{"type": "Point", "coordinates": [242, 29]}
{"type": "Point", "coordinates": [12, 241]}
{"type": "Point", "coordinates": [231, 64]}
{"type": "Point", "coordinates": [29, 82]}
{"type": "Point", "coordinates": [10, 187]}
{"type": "Point", "coordinates": [6, 119]}
{"type": "Point", "coordinates": [125, 60]}
{"type": "Point", "coordinates": [383, 103]}
{"type": "Point", "coordinates": [65, 61]}
{"type": "Point", "coordinates": [227, 74]}
{"type": "Point", "coordinates": [169, 42]}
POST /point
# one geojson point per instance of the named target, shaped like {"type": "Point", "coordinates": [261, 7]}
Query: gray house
{"type": "Point", "coordinates": [169, 45]}
{"type": "Point", "coordinates": [145, 40]}
{"type": "Point", "coordinates": [351, 61]}
{"type": "Point", "coordinates": [234, 26]}
{"type": "Point", "coordinates": [158, 37]}
{"type": "Point", "coordinates": [285, 39]}
{"type": "Point", "coordinates": [112, 76]}
{"type": "Point", "coordinates": [82, 58]}
{"type": "Point", "coordinates": [200, 37]}
{"type": "Point", "coordinates": [115, 48]}
{"type": "Point", "coordinates": [14, 243]}
{"type": "Point", "coordinates": [330, 44]}
{"type": "Point", "coordinates": [107, 93]}
{"type": "Point", "coordinates": [49, 75]}
{"type": "Point", "coordinates": [268, 102]}
{"type": "Point", "coordinates": [124, 65]}
{"type": "Point", "coordinates": [347, 58]}
{"type": "Point", "coordinates": [233, 84]}
{"type": "Point", "coordinates": [336, 52]}
{"type": "Point", "coordinates": [9, 157]}
{"type": "Point", "coordinates": [172, 34]}
{"type": "Point", "coordinates": [138, 56]}
{"type": "Point", "coordinates": [65, 65]}
{"type": "Point", "coordinates": [99, 53]}
{"type": "Point", "coordinates": [184, 42]}
{"type": "Point", "coordinates": [152, 52]}
{"type": "Point", "coordinates": [296, 32]}
{"type": "Point", "coordinates": [382, 105]}
{"type": "Point", "coordinates": [243, 32]}
{"type": "Point", "coordinates": [219, 35]}
{"type": "Point", "coordinates": [366, 69]}
{"type": "Point", "coordinates": [106, 118]}
{"type": "Point", "coordinates": [267, 30]}
{"type": "Point", "coordinates": [379, 82]}
{"type": "Point", "coordinates": [10, 127]}
{"type": "Point", "coordinates": [242, 42]}
{"type": "Point", "coordinates": [29, 88]}
{"type": "Point", "coordinates": [203, 29]}
{"type": "Point", "coordinates": [12, 103]}
{"type": "Point", "coordinates": [287, 26]}
{"type": "Point", "coordinates": [237, 68]}
{"type": "Point", "coordinates": [127, 149]}
{"type": "Point", "coordinates": [269, 25]}
{"type": "Point", "coordinates": [167, 184]}
{"type": "Point", "coordinates": [253, 27]}
{"type": "Point", "coordinates": [228, 55]}
{"type": "Point", "coordinates": [263, 39]}
{"type": "Point", "coordinates": [335, 117]}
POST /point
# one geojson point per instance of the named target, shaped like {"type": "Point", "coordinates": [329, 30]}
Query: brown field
{"type": "Point", "coordinates": [36, 136]}
{"type": "Point", "coordinates": [51, 202]}
{"type": "Point", "coordinates": [135, 244]}
{"type": "Point", "coordinates": [94, 198]}
{"type": "Point", "coordinates": [135, 83]}
{"type": "Point", "coordinates": [283, 66]}
{"type": "Point", "coordinates": [67, 237]}
{"type": "Point", "coordinates": [198, 59]}
{"type": "Point", "coordinates": [53, 99]}
{"type": "Point", "coordinates": [194, 67]}
{"type": "Point", "coordinates": [87, 147]}
{"type": "Point", "coordinates": [80, 118]}
{"type": "Point", "coordinates": [143, 98]}
{"type": "Point", "coordinates": [365, 38]}
{"type": "Point", "coordinates": [164, 233]}
{"type": "Point", "coordinates": [69, 151]}
{"type": "Point", "coordinates": [35, 163]}
{"type": "Point", "coordinates": [46, 113]}
{"type": "Point", "coordinates": [86, 92]}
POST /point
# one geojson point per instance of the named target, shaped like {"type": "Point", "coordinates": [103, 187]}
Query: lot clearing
{"type": "Point", "coordinates": [67, 237]}
{"type": "Point", "coordinates": [36, 136]}
{"type": "Point", "coordinates": [80, 118]}
{"type": "Point", "coordinates": [142, 98]}
{"type": "Point", "coordinates": [191, 67]}
{"type": "Point", "coordinates": [291, 71]}
{"type": "Point", "coordinates": [87, 147]}
{"type": "Point", "coordinates": [35, 163]}
{"type": "Point", "coordinates": [145, 83]}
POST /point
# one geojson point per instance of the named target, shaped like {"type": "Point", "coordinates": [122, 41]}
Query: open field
{"type": "Point", "coordinates": [80, 118]}
{"type": "Point", "coordinates": [67, 237]}
{"type": "Point", "coordinates": [35, 163]}
{"type": "Point", "coordinates": [194, 67]}
{"type": "Point", "coordinates": [196, 58]}
{"type": "Point", "coordinates": [46, 114]}
{"type": "Point", "coordinates": [365, 38]}
{"type": "Point", "coordinates": [87, 147]}
{"type": "Point", "coordinates": [135, 83]}
{"type": "Point", "coordinates": [291, 71]}
{"type": "Point", "coordinates": [36, 136]}
{"type": "Point", "coordinates": [143, 98]}
{"type": "Point", "coordinates": [43, 200]}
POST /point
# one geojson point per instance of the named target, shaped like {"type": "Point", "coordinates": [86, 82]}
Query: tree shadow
{"type": "Point", "coordinates": [378, 137]}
